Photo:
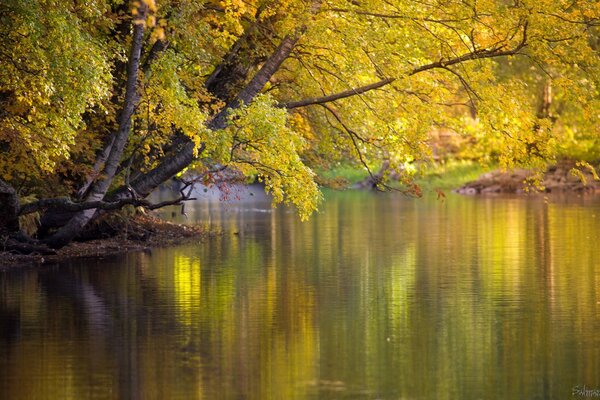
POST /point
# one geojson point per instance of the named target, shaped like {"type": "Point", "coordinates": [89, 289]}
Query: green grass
{"type": "Point", "coordinates": [445, 176]}
{"type": "Point", "coordinates": [450, 175]}
{"type": "Point", "coordinates": [343, 174]}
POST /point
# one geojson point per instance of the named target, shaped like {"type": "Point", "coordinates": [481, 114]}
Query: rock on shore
{"type": "Point", "coordinates": [557, 179]}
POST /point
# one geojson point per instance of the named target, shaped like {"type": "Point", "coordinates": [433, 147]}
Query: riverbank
{"type": "Point", "coordinates": [143, 232]}
{"type": "Point", "coordinates": [563, 177]}
{"type": "Point", "coordinates": [138, 233]}
{"type": "Point", "coordinates": [444, 176]}
{"type": "Point", "coordinates": [470, 178]}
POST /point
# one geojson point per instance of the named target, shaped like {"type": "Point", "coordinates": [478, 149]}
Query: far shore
{"type": "Point", "coordinates": [145, 232]}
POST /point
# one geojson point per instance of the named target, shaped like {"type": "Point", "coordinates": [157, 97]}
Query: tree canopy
{"type": "Point", "coordinates": [101, 101]}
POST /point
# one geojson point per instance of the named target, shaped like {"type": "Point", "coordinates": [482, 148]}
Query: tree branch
{"type": "Point", "coordinates": [444, 64]}
{"type": "Point", "coordinates": [258, 81]}
{"type": "Point", "coordinates": [395, 16]}
{"type": "Point", "coordinates": [353, 136]}
{"type": "Point", "coordinates": [66, 204]}
{"type": "Point", "coordinates": [97, 190]}
{"type": "Point", "coordinates": [337, 96]}
{"type": "Point", "coordinates": [475, 55]}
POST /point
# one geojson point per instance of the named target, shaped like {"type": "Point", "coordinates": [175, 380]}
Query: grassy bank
{"type": "Point", "coordinates": [445, 176]}
{"type": "Point", "coordinates": [450, 175]}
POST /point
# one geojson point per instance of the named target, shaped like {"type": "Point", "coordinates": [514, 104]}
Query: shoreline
{"type": "Point", "coordinates": [144, 232]}
{"type": "Point", "coordinates": [562, 178]}
{"type": "Point", "coordinates": [149, 232]}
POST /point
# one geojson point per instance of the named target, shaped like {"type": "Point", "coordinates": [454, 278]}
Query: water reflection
{"type": "Point", "coordinates": [377, 297]}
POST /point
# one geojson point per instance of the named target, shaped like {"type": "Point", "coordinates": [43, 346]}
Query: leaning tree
{"type": "Point", "coordinates": [103, 101]}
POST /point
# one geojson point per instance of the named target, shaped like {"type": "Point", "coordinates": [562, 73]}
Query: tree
{"type": "Point", "coordinates": [121, 96]}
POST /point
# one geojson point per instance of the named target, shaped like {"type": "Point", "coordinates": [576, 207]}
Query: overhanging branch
{"type": "Point", "coordinates": [493, 52]}
{"type": "Point", "coordinates": [338, 96]}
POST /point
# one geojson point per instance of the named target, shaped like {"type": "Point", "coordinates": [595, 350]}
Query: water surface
{"type": "Point", "coordinates": [376, 297]}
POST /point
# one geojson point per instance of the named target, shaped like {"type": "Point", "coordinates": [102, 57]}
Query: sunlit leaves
{"type": "Point", "coordinates": [473, 67]}
{"type": "Point", "coordinates": [53, 71]}
{"type": "Point", "coordinates": [263, 144]}
{"type": "Point", "coordinates": [167, 107]}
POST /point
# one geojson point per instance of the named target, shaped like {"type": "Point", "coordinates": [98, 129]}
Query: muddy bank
{"type": "Point", "coordinates": [557, 179]}
{"type": "Point", "coordinates": [142, 232]}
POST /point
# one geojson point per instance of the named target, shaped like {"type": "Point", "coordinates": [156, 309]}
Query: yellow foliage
{"type": "Point", "coordinates": [262, 143]}
{"type": "Point", "coordinates": [477, 68]}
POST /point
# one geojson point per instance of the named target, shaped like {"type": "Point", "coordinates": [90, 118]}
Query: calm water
{"type": "Point", "coordinates": [377, 297]}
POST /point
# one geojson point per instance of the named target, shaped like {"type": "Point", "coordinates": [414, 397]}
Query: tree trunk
{"type": "Point", "coordinates": [373, 181]}
{"type": "Point", "coordinates": [183, 153]}
{"type": "Point", "coordinates": [12, 238]}
{"type": "Point", "coordinates": [258, 81]}
{"type": "Point", "coordinates": [232, 72]}
{"type": "Point", "coordinates": [545, 101]}
{"type": "Point", "coordinates": [99, 188]}
{"type": "Point", "coordinates": [144, 184]}
{"type": "Point", "coordinates": [98, 164]}
{"type": "Point", "coordinates": [9, 209]}
{"type": "Point", "coordinates": [229, 76]}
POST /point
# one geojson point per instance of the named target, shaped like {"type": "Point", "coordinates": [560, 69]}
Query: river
{"type": "Point", "coordinates": [378, 296]}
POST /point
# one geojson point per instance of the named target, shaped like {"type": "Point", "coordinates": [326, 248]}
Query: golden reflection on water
{"type": "Point", "coordinates": [375, 297]}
